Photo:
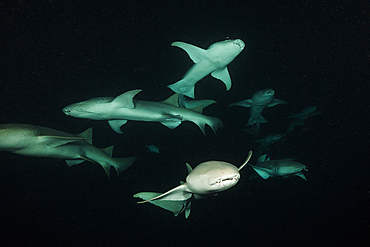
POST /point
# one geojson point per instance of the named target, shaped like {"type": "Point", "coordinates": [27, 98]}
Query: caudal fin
{"type": "Point", "coordinates": [181, 87]}
{"type": "Point", "coordinates": [256, 120]}
{"type": "Point", "coordinates": [212, 122]}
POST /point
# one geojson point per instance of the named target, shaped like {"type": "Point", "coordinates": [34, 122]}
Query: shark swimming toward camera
{"type": "Point", "coordinates": [205, 179]}
{"type": "Point", "coordinates": [211, 61]}
{"type": "Point", "coordinates": [123, 108]}
{"type": "Point", "coordinates": [260, 100]}
{"type": "Point", "coordinates": [278, 168]}
{"type": "Point", "coordinates": [30, 140]}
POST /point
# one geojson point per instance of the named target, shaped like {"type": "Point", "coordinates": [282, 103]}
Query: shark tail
{"type": "Point", "coordinates": [212, 122]}
{"type": "Point", "coordinates": [253, 130]}
{"type": "Point", "coordinates": [180, 87]}
{"type": "Point", "coordinates": [256, 120]}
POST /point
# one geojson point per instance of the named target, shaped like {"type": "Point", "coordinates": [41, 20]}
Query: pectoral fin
{"type": "Point", "coordinates": [176, 207]}
{"type": "Point", "coordinates": [178, 193]}
{"type": "Point", "coordinates": [276, 102]}
{"type": "Point", "coordinates": [57, 141]}
{"type": "Point", "coordinates": [223, 75]}
{"type": "Point", "coordinates": [175, 200]}
{"type": "Point", "coordinates": [245, 103]}
{"type": "Point", "coordinates": [116, 125]}
{"type": "Point", "coordinates": [195, 53]}
{"type": "Point", "coordinates": [300, 174]}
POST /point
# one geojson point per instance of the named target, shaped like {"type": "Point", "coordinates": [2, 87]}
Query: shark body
{"type": "Point", "coordinates": [300, 118]}
{"type": "Point", "coordinates": [30, 140]}
{"type": "Point", "coordinates": [211, 61]}
{"type": "Point", "coordinates": [260, 100]}
{"type": "Point", "coordinates": [123, 108]}
{"type": "Point", "coordinates": [278, 168]}
{"type": "Point", "coordinates": [205, 179]}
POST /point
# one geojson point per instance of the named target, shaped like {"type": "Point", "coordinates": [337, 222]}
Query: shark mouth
{"type": "Point", "coordinates": [68, 112]}
{"type": "Point", "coordinates": [239, 43]}
{"type": "Point", "coordinates": [226, 181]}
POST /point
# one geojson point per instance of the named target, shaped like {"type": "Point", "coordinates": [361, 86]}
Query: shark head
{"type": "Point", "coordinates": [263, 97]}
{"type": "Point", "coordinates": [212, 176]}
{"type": "Point", "coordinates": [230, 47]}
{"type": "Point", "coordinates": [12, 136]}
{"type": "Point", "coordinates": [288, 167]}
{"type": "Point", "coordinates": [86, 109]}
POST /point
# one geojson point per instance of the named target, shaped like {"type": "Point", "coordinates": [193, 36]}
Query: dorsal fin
{"type": "Point", "coordinates": [108, 150]}
{"type": "Point", "coordinates": [126, 99]}
{"type": "Point", "coordinates": [173, 100]}
{"type": "Point", "coordinates": [189, 168]}
{"type": "Point", "coordinates": [198, 109]}
{"type": "Point", "coordinates": [87, 135]}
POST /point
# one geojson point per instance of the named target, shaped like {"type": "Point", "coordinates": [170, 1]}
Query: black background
{"type": "Point", "coordinates": [310, 52]}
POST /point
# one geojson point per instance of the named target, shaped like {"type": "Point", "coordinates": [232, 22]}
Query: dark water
{"type": "Point", "coordinates": [311, 53]}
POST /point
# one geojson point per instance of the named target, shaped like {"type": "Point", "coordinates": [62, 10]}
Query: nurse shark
{"type": "Point", "coordinates": [123, 108]}
{"type": "Point", "coordinates": [211, 61]}
{"type": "Point", "coordinates": [260, 100]}
{"type": "Point", "coordinates": [278, 168]}
{"type": "Point", "coordinates": [30, 140]}
{"type": "Point", "coordinates": [300, 118]}
{"type": "Point", "coordinates": [205, 179]}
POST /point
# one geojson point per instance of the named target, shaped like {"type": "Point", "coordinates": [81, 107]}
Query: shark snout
{"type": "Point", "coordinates": [66, 111]}
{"type": "Point", "coordinates": [239, 43]}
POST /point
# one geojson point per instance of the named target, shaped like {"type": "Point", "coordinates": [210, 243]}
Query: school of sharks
{"type": "Point", "coordinates": [207, 178]}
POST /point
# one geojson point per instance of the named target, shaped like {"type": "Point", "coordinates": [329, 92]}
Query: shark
{"type": "Point", "coordinates": [152, 149]}
{"type": "Point", "coordinates": [268, 140]}
{"type": "Point", "coordinates": [31, 140]}
{"type": "Point", "coordinates": [212, 61]}
{"type": "Point", "coordinates": [260, 100]}
{"type": "Point", "coordinates": [122, 108]}
{"type": "Point", "coordinates": [208, 178]}
{"type": "Point", "coordinates": [298, 119]}
{"type": "Point", "coordinates": [278, 168]}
